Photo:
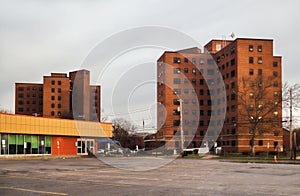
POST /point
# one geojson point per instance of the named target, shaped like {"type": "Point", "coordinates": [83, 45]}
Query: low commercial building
{"type": "Point", "coordinates": [22, 135]}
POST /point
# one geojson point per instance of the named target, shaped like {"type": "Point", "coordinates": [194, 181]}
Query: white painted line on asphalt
{"type": "Point", "coordinates": [32, 191]}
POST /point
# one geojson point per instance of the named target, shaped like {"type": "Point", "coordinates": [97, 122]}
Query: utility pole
{"type": "Point", "coordinates": [181, 128]}
{"type": "Point", "coordinates": [291, 124]}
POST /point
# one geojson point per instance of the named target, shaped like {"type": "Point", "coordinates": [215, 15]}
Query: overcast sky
{"type": "Point", "coordinates": [39, 37]}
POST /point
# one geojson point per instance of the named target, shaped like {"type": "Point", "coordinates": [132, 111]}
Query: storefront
{"type": "Point", "coordinates": [23, 135]}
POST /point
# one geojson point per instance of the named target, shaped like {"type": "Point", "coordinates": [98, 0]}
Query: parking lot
{"type": "Point", "coordinates": [91, 176]}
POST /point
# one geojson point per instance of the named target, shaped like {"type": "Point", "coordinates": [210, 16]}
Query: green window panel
{"type": "Point", "coordinates": [12, 139]}
{"type": "Point", "coordinates": [27, 138]}
{"type": "Point", "coordinates": [34, 141]}
{"type": "Point", "coordinates": [20, 139]}
{"type": "Point", "coordinates": [48, 141]}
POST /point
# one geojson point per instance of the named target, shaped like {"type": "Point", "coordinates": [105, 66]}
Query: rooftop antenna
{"type": "Point", "coordinates": [232, 35]}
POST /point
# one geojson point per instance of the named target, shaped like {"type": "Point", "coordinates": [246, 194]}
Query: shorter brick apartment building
{"type": "Point", "coordinates": [60, 96]}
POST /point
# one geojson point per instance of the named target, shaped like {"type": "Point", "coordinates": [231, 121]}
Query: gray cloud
{"type": "Point", "coordinates": [39, 37]}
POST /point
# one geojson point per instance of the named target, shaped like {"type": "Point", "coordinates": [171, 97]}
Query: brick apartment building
{"type": "Point", "coordinates": [210, 85]}
{"type": "Point", "coordinates": [60, 96]}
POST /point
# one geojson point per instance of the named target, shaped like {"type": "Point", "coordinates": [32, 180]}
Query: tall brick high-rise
{"type": "Point", "coordinates": [60, 96]}
{"type": "Point", "coordinates": [245, 67]}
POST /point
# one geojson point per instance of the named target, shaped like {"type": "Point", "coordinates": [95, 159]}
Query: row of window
{"type": "Point", "coordinates": [186, 70]}
{"type": "Point", "coordinates": [259, 48]}
{"type": "Point", "coordinates": [260, 72]}
{"type": "Point", "coordinates": [53, 98]}
{"type": "Point", "coordinates": [53, 105]}
{"type": "Point", "coordinates": [53, 82]}
{"type": "Point", "coordinates": [53, 90]}
{"type": "Point", "coordinates": [20, 109]}
{"type": "Point", "coordinates": [21, 88]}
{"type": "Point", "coordinates": [194, 61]}
{"type": "Point", "coordinates": [28, 102]}
{"type": "Point", "coordinates": [21, 95]}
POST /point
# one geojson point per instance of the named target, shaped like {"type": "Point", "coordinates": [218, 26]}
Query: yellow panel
{"type": "Point", "coordinates": [38, 125]}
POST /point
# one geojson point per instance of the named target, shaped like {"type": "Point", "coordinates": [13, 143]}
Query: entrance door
{"type": "Point", "coordinates": [85, 146]}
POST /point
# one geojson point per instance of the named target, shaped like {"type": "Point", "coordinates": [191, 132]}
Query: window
{"type": "Point", "coordinates": [20, 95]}
{"type": "Point", "coordinates": [52, 113]}
{"type": "Point", "coordinates": [259, 48]}
{"type": "Point", "coordinates": [52, 105]}
{"type": "Point", "coordinates": [201, 92]}
{"type": "Point", "coordinates": [186, 70]}
{"type": "Point", "coordinates": [186, 91]}
{"type": "Point", "coordinates": [232, 50]}
{"type": "Point", "coordinates": [275, 73]}
{"type": "Point", "coordinates": [201, 82]}
{"type": "Point", "coordinates": [251, 60]}
{"type": "Point", "coordinates": [177, 91]}
{"type": "Point", "coordinates": [176, 122]}
{"type": "Point", "coordinates": [209, 102]}
{"type": "Point", "coordinates": [59, 82]}
{"type": "Point", "coordinates": [194, 60]}
{"type": "Point", "coordinates": [210, 61]}
{"type": "Point", "coordinates": [202, 71]}
{"type": "Point", "coordinates": [59, 114]}
{"type": "Point", "coordinates": [176, 60]}
{"type": "Point", "coordinates": [176, 81]}
{"type": "Point", "coordinates": [276, 133]}
{"type": "Point", "coordinates": [260, 142]}
{"type": "Point", "coordinates": [52, 82]}
{"type": "Point", "coordinates": [232, 73]}
{"type": "Point", "coordinates": [201, 123]}
{"type": "Point", "coordinates": [275, 64]}
{"type": "Point", "coordinates": [176, 102]}
{"type": "Point", "coordinates": [186, 80]}
{"type": "Point", "coordinates": [259, 71]}
{"type": "Point", "coordinates": [21, 88]}
{"type": "Point", "coordinates": [59, 98]}
{"type": "Point", "coordinates": [275, 94]}
{"type": "Point", "coordinates": [250, 48]}
{"type": "Point", "coordinates": [201, 61]}
{"type": "Point", "coordinates": [20, 102]}
{"type": "Point", "coordinates": [52, 98]}
{"type": "Point", "coordinates": [176, 112]}
{"type": "Point", "coordinates": [210, 72]}
{"type": "Point", "coordinates": [52, 90]}
{"type": "Point", "coordinates": [210, 81]}
{"type": "Point", "coordinates": [201, 102]}
{"type": "Point", "coordinates": [233, 143]}
{"type": "Point", "coordinates": [233, 96]}
{"type": "Point", "coordinates": [232, 62]}
{"type": "Point", "coordinates": [176, 70]}
{"type": "Point", "coordinates": [194, 71]}
{"type": "Point", "coordinates": [194, 81]}
{"type": "Point", "coordinates": [20, 109]}
{"type": "Point", "coordinates": [251, 72]}
{"type": "Point", "coordinates": [34, 102]}
{"type": "Point", "coordinates": [33, 95]}
{"type": "Point", "coordinates": [186, 60]}
{"type": "Point", "coordinates": [59, 105]}
{"type": "Point", "coordinates": [259, 60]}
{"type": "Point", "coordinates": [276, 144]}
{"type": "Point", "coordinates": [201, 133]}
{"type": "Point", "coordinates": [201, 112]}
{"type": "Point", "coordinates": [233, 131]}
{"type": "Point", "coordinates": [232, 85]}
{"type": "Point", "coordinates": [194, 101]}
{"type": "Point", "coordinates": [59, 90]}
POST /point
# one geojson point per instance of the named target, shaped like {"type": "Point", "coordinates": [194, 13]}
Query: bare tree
{"type": "Point", "coordinates": [286, 102]}
{"type": "Point", "coordinates": [259, 106]}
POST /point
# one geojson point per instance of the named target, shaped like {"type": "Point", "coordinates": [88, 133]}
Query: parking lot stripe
{"type": "Point", "coordinates": [33, 191]}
